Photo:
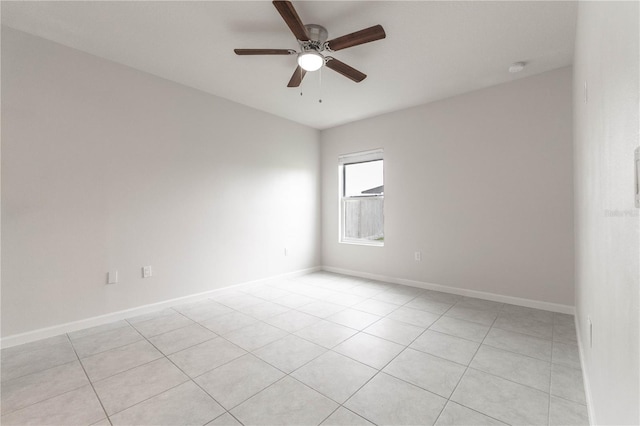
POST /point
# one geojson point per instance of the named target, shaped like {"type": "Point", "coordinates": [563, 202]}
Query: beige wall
{"type": "Point", "coordinates": [105, 167]}
{"type": "Point", "coordinates": [607, 223]}
{"type": "Point", "coordinates": [480, 183]}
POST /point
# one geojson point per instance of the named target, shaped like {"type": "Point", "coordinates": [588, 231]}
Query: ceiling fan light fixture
{"type": "Point", "coordinates": [310, 60]}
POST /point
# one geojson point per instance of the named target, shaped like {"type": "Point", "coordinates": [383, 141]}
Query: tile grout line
{"type": "Point", "coordinates": [88, 379]}
{"type": "Point", "coordinates": [467, 369]}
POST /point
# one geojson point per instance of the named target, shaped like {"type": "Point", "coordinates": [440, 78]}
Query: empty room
{"type": "Point", "coordinates": [320, 213]}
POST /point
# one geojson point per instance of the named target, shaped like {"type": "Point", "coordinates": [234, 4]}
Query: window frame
{"type": "Point", "coordinates": [346, 160]}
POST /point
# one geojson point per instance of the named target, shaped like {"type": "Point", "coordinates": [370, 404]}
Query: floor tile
{"type": "Point", "coordinates": [106, 340]}
{"type": "Point", "coordinates": [566, 382]}
{"type": "Point", "coordinates": [321, 309]}
{"type": "Point", "coordinates": [224, 420]}
{"type": "Point", "coordinates": [37, 345]}
{"type": "Point", "coordinates": [334, 375]}
{"type": "Point", "coordinates": [369, 350]}
{"type": "Point", "coordinates": [151, 315]}
{"type": "Point", "coordinates": [390, 401]}
{"type": "Point", "coordinates": [103, 422]}
{"type": "Point", "coordinates": [240, 301]}
{"type": "Point", "coordinates": [271, 293]}
{"type": "Point", "coordinates": [206, 356]}
{"type": "Point", "coordinates": [564, 333]}
{"type": "Point", "coordinates": [255, 335]}
{"type": "Point", "coordinates": [287, 402]}
{"type": "Point", "coordinates": [501, 399]}
{"type": "Point", "coordinates": [439, 296]}
{"type": "Point", "coordinates": [26, 390]}
{"type": "Point", "coordinates": [353, 318]}
{"type": "Point", "coordinates": [114, 361]}
{"type": "Point", "coordinates": [429, 305]}
{"type": "Point", "coordinates": [563, 319]}
{"type": "Point", "coordinates": [566, 354]}
{"type": "Point", "coordinates": [481, 304]}
{"type": "Point", "coordinates": [515, 367]}
{"type": "Point", "coordinates": [567, 413]}
{"type": "Point", "coordinates": [182, 338]}
{"type": "Point", "coordinates": [162, 324]}
{"type": "Point", "coordinates": [227, 323]}
{"type": "Point", "coordinates": [292, 321]}
{"type": "Point", "coordinates": [185, 404]}
{"type": "Point", "coordinates": [344, 417]}
{"type": "Point", "coordinates": [375, 307]}
{"type": "Point", "coordinates": [457, 415]}
{"type": "Point", "coordinates": [325, 333]}
{"type": "Point", "coordinates": [293, 300]}
{"type": "Point", "coordinates": [133, 386]}
{"type": "Point", "coordinates": [460, 328]}
{"type": "Point", "coordinates": [264, 310]}
{"type": "Point", "coordinates": [446, 346]}
{"type": "Point", "coordinates": [524, 325]}
{"type": "Point", "coordinates": [202, 311]}
{"type": "Point", "coordinates": [434, 374]}
{"type": "Point", "coordinates": [536, 314]}
{"type": "Point", "coordinates": [481, 316]}
{"type": "Point", "coordinates": [364, 290]}
{"type": "Point", "coordinates": [289, 353]}
{"type": "Point", "coordinates": [238, 380]}
{"type": "Point", "coordinates": [77, 407]}
{"type": "Point", "coordinates": [393, 297]}
{"type": "Point", "coordinates": [341, 298]}
{"type": "Point", "coordinates": [396, 331]}
{"type": "Point", "coordinates": [19, 363]}
{"type": "Point", "coordinates": [413, 316]}
{"type": "Point", "coordinates": [521, 343]}
{"type": "Point", "coordinates": [75, 335]}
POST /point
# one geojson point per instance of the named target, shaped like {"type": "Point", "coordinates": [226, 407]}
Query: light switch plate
{"type": "Point", "coordinates": [112, 277]}
{"type": "Point", "coordinates": [146, 272]}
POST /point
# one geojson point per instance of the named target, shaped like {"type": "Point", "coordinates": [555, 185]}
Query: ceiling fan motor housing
{"type": "Point", "coordinates": [317, 37]}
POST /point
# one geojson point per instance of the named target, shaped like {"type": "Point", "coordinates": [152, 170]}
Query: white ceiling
{"type": "Point", "coordinates": [433, 50]}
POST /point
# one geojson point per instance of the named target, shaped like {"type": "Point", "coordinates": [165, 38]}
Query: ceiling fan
{"type": "Point", "coordinates": [313, 41]}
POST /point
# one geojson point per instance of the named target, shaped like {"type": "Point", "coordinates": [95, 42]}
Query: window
{"type": "Point", "coordinates": [361, 178]}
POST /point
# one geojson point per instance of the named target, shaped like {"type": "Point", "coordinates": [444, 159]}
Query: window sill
{"type": "Point", "coordinates": [363, 243]}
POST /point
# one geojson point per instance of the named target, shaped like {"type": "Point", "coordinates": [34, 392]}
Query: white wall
{"type": "Point", "coordinates": [480, 183]}
{"type": "Point", "coordinates": [607, 223]}
{"type": "Point", "coordinates": [105, 167]}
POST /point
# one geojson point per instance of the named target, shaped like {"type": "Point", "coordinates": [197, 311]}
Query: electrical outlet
{"type": "Point", "coordinates": [146, 272]}
{"type": "Point", "coordinates": [112, 277]}
{"type": "Point", "coordinates": [417, 256]}
{"type": "Point", "coordinates": [590, 332]}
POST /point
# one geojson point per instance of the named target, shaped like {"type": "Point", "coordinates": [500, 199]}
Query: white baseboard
{"type": "Point", "coordinates": [43, 333]}
{"type": "Point", "coordinates": [529, 303]}
{"type": "Point", "coordinates": [585, 377]}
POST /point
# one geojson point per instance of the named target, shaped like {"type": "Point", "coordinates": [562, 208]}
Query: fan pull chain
{"type": "Point", "coordinates": [320, 88]}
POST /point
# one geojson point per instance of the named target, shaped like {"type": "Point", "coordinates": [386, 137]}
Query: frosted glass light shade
{"type": "Point", "coordinates": [310, 61]}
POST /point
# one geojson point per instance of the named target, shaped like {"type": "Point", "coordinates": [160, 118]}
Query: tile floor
{"type": "Point", "coordinates": [318, 349]}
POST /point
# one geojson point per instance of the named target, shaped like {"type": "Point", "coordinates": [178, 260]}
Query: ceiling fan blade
{"type": "Point", "coordinates": [359, 37]}
{"type": "Point", "coordinates": [344, 69]}
{"type": "Point", "coordinates": [264, 51]}
{"type": "Point", "coordinates": [291, 18]}
{"type": "Point", "coordinates": [297, 77]}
